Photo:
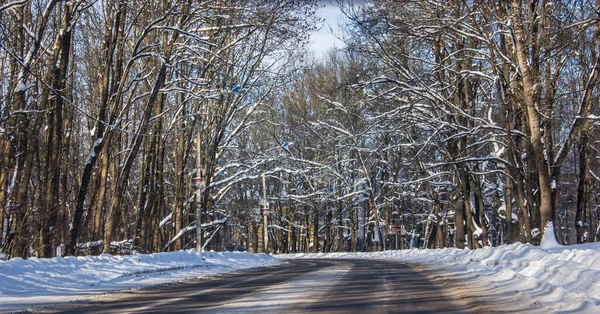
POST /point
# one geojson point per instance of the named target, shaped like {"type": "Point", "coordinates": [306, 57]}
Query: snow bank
{"type": "Point", "coordinates": [33, 281]}
{"type": "Point", "coordinates": [554, 279]}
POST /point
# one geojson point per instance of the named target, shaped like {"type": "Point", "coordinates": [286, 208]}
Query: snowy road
{"type": "Point", "coordinates": [322, 286]}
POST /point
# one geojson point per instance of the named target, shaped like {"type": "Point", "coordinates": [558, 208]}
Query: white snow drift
{"type": "Point", "coordinates": [41, 281]}
{"type": "Point", "coordinates": [516, 278]}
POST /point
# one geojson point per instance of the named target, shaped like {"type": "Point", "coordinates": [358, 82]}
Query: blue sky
{"type": "Point", "coordinates": [324, 40]}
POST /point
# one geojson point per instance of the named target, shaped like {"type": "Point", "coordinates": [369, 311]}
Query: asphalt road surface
{"type": "Point", "coordinates": [298, 286]}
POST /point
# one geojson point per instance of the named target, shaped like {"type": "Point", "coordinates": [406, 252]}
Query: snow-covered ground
{"type": "Point", "coordinates": [36, 282]}
{"type": "Point", "coordinates": [516, 278]}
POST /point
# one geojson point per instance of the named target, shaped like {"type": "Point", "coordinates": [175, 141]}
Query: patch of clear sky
{"type": "Point", "coordinates": [324, 40]}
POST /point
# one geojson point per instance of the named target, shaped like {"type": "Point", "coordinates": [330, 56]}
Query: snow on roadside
{"type": "Point", "coordinates": [556, 279]}
{"type": "Point", "coordinates": [38, 281]}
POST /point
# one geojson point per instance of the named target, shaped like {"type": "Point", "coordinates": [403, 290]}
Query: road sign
{"type": "Point", "coordinates": [397, 229]}
{"type": "Point", "coordinates": [265, 211]}
{"type": "Point", "coordinates": [198, 183]}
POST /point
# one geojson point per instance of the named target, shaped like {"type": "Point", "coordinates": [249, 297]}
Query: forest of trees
{"type": "Point", "coordinates": [148, 126]}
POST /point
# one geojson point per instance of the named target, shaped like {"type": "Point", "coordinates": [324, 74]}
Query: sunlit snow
{"type": "Point", "coordinates": [35, 281]}
{"type": "Point", "coordinates": [551, 278]}
{"type": "Point", "coordinates": [510, 278]}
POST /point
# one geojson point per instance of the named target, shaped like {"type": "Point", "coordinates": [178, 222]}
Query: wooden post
{"type": "Point", "coordinates": [199, 182]}
{"type": "Point", "coordinates": [265, 212]}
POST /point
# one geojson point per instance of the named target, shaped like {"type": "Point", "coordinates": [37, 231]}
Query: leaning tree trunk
{"type": "Point", "coordinates": [115, 211]}
{"type": "Point", "coordinates": [103, 136]}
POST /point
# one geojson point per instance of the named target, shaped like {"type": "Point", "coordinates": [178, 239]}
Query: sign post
{"type": "Point", "coordinates": [265, 212]}
{"type": "Point", "coordinates": [396, 230]}
{"type": "Point", "coordinates": [199, 181]}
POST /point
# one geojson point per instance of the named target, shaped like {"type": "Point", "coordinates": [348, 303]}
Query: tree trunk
{"type": "Point", "coordinates": [115, 211]}
{"type": "Point", "coordinates": [533, 116]}
{"type": "Point", "coordinates": [19, 247]}
{"type": "Point", "coordinates": [55, 137]}
{"type": "Point", "coordinates": [439, 234]}
{"type": "Point", "coordinates": [254, 237]}
{"type": "Point", "coordinates": [20, 145]}
{"type": "Point", "coordinates": [4, 173]}
{"type": "Point", "coordinates": [140, 237]}
{"type": "Point", "coordinates": [183, 150]}
{"type": "Point", "coordinates": [353, 229]}
{"type": "Point", "coordinates": [102, 136]}
{"type": "Point", "coordinates": [581, 225]}
{"type": "Point", "coordinates": [459, 224]}
{"type": "Point", "coordinates": [388, 223]}
{"type": "Point", "coordinates": [508, 197]}
{"type": "Point", "coordinates": [315, 231]}
{"type": "Point", "coordinates": [340, 228]}
{"type": "Point", "coordinates": [466, 197]}
{"type": "Point", "coordinates": [530, 185]}
{"type": "Point", "coordinates": [583, 125]}
{"type": "Point", "coordinates": [328, 232]}
{"type": "Point", "coordinates": [99, 205]}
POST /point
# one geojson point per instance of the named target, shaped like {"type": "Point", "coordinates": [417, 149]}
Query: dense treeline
{"type": "Point", "coordinates": [102, 104]}
{"type": "Point", "coordinates": [452, 123]}
{"type": "Point", "coordinates": [147, 125]}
